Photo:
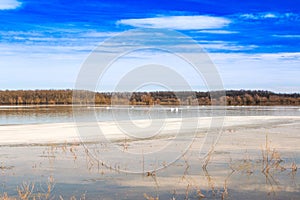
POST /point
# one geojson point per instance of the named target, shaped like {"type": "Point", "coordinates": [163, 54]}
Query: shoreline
{"type": "Point", "coordinates": [121, 105]}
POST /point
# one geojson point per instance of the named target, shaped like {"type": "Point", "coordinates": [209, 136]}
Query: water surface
{"type": "Point", "coordinates": [234, 170]}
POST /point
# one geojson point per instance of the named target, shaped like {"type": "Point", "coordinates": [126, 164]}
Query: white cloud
{"type": "Point", "coordinates": [196, 22]}
{"type": "Point", "coordinates": [217, 31]}
{"type": "Point", "coordinates": [99, 34]}
{"type": "Point", "coordinates": [219, 45]}
{"type": "Point", "coordinates": [227, 46]}
{"type": "Point", "coordinates": [9, 4]}
{"type": "Point", "coordinates": [257, 16]}
{"type": "Point", "coordinates": [271, 71]}
{"type": "Point", "coordinates": [287, 36]}
{"type": "Point", "coordinates": [269, 15]}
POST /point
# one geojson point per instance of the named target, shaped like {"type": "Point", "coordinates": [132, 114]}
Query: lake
{"type": "Point", "coordinates": [55, 114]}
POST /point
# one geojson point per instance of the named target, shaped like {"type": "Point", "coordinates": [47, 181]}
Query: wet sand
{"type": "Point", "coordinates": [68, 132]}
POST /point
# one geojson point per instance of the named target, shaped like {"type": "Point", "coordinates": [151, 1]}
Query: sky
{"type": "Point", "coordinates": [253, 44]}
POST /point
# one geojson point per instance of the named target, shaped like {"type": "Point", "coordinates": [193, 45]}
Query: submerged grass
{"type": "Point", "coordinates": [29, 191]}
{"type": "Point", "coordinates": [270, 164]}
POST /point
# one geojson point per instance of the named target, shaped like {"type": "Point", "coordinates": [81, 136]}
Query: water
{"type": "Point", "coordinates": [60, 114]}
{"type": "Point", "coordinates": [235, 169]}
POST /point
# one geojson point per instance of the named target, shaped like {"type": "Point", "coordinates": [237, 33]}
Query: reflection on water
{"type": "Point", "coordinates": [56, 114]}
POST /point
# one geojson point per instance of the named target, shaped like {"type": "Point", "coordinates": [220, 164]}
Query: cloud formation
{"type": "Point", "coordinates": [196, 22]}
{"type": "Point", "coordinates": [287, 36]}
{"type": "Point", "coordinates": [269, 15]}
{"type": "Point", "coordinates": [9, 4]}
{"type": "Point", "coordinates": [253, 39]}
{"type": "Point", "coordinates": [217, 32]}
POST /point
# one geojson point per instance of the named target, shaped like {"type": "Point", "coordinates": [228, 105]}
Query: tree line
{"type": "Point", "coordinates": [63, 97]}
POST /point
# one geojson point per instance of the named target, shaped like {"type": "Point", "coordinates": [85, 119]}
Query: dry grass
{"type": "Point", "coordinates": [28, 191]}
{"type": "Point", "coordinates": [294, 167]}
{"type": "Point", "coordinates": [25, 190]}
{"type": "Point", "coordinates": [271, 158]}
{"type": "Point", "coordinates": [6, 197]}
{"type": "Point", "coordinates": [268, 165]}
{"type": "Point", "coordinates": [208, 157]}
{"type": "Point", "coordinates": [150, 197]}
{"type": "Point", "coordinates": [83, 197]}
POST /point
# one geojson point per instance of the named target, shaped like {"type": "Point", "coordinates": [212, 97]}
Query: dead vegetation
{"type": "Point", "coordinates": [270, 164]}
{"type": "Point", "coordinates": [31, 191]}
{"type": "Point", "coordinates": [294, 167]}
{"type": "Point", "coordinates": [271, 159]}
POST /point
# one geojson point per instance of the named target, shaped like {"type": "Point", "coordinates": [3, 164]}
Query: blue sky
{"type": "Point", "coordinates": [254, 44]}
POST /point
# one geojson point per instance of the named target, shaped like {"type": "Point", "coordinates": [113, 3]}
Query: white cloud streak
{"type": "Point", "coordinates": [217, 32]}
{"type": "Point", "coordinates": [196, 22]}
{"type": "Point", "coordinates": [287, 36]}
{"type": "Point", "coordinates": [269, 15]}
{"type": "Point", "coordinates": [257, 71]}
{"type": "Point", "coordinates": [9, 4]}
{"type": "Point", "coordinates": [247, 71]}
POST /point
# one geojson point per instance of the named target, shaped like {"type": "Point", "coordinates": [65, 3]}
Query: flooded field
{"type": "Point", "coordinates": [256, 157]}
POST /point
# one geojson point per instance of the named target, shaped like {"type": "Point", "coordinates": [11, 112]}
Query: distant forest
{"type": "Point", "coordinates": [63, 97]}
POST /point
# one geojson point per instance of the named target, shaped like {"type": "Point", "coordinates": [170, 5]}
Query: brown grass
{"type": "Point", "coordinates": [150, 197]}
{"type": "Point", "coordinates": [271, 158]}
{"type": "Point", "coordinates": [294, 167]}
{"type": "Point", "coordinates": [268, 165]}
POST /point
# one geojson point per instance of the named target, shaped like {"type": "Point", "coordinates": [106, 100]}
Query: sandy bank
{"type": "Point", "coordinates": [67, 132]}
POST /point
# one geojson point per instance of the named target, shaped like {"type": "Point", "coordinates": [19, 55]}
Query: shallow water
{"type": "Point", "coordinates": [70, 171]}
{"type": "Point", "coordinates": [234, 170]}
